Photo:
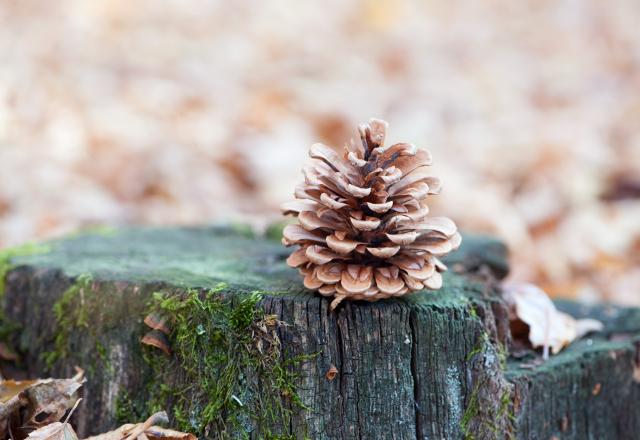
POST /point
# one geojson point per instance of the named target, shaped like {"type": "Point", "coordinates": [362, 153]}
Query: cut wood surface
{"type": "Point", "coordinates": [431, 365]}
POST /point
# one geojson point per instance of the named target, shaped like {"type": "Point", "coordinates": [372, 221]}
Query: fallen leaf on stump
{"type": "Point", "coordinates": [157, 322]}
{"type": "Point", "coordinates": [534, 316]}
{"type": "Point", "coordinates": [332, 372]}
{"type": "Point", "coordinates": [156, 338]}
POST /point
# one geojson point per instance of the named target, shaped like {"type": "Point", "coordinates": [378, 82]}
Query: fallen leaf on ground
{"type": "Point", "coordinates": [36, 403]}
{"type": "Point", "coordinates": [56, 430]}
{"type": "Point", "coordinates": [51, 398]}
{"type": "Point", "coordinates": [145, 431]}
{"type": "Point", "coordinates": [39, 405]}
{"type": "Point", "coordinates": [11, 388]}
{"type": "Point", "coordinates": [7, 353]}
{"type": "Point", "coordinates": [156, 433]}
{"type": "Point", "coordinates": [533, 313]}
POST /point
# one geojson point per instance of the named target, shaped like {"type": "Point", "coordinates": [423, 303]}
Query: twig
{"type": "Point", "coordinates": [157, 418]}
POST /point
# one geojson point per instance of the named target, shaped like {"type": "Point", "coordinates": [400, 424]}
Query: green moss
{"type": "Point", "coordinates": [71, 312]}
{"type": "Point", "coordinates": [503, 355]}
{"type": "Point", "coordinates": [6, 255]}
{"type": "Point", "coordinates": [274, 230]}
{"type": "Point", "coordinates": [7, 326]}
{"type": "Point", "coordinates": [127, 409]}
{"type": "Point", "coordinates": [227, 374]}
{"type": "Point", "coordinates": [97, 230]}
{"type": "Point", "coordinates": [242, 229]}
{"type": "Point", "coordinates": [472, 308]}
{"type": "Point", "coordinates": [470, 413]}
{"type": "Point", "coordinates": [82, 324]}
{"type": "Point", "coordinates": [480, 347]}
{"type": "Point", "coordinates": [103, 358]}
{"type": "Point", "coordinates": [507, 411]}
{"type": "Point", "coordinates": [487, 423]}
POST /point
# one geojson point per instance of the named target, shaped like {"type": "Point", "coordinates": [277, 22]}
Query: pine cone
{"type": "Point", "coordinates": [364, 232]}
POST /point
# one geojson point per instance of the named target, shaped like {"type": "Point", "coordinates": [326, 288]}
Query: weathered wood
{"type": "Point", "coordinates": [590, 391]}
{"type": "Point", "coordinates": [429, 366]}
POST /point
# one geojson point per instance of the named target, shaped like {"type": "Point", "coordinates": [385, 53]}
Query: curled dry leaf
{"type": "Point", "coordinates": [140, 428]}
{"type": "Point", "coordinates": [158, 339]}
{"type": "Point", "coordinates": [532, 309]}
{"type": "Point", "coordinates": [157, 322]}
{"type": "Point", "coordinates": [156, 433]}
{"type": "Point", "coordinates": [145, 431]}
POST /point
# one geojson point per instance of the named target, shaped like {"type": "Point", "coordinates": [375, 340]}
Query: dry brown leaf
{"type": "Point", "coordinates": [332, 372]}
{"type": "Point", "coordinates": [156, 433]}
{"type": "Point", "coordinates": [159, 417]}
{"type": "Point", "coordinates": [49, 399]}
{"type": "Point", "coordinates": [158, 339]}
{"type": "Point", "coordinates": [7, 353]}
{"type": "Point", "coordinates": [152, 433]}
{"type": "Point", "coordinates": [54, 431]}
{"type": "Point", "coordinates": [147, 429]}
{"type": "Point", "coordinates": [10, 388]}
{"type": "Point", "coordinates": [547, 327]}
{"type": "Point", "coordinates": [116, 434]}
{"type": "Point", "coordinates": [157, 322]}
{"type": "Point", "coordinates": [37, 403]}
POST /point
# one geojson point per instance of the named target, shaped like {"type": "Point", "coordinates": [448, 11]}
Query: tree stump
{"type": "Point", "coordinates": [255, 355]}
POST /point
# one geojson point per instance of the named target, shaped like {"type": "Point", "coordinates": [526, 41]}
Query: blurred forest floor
{"type": "Point", "coordinates": [116, 112]}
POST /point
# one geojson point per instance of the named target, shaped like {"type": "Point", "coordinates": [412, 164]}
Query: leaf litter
{"type": "Point", "coordinates": [33, 410]}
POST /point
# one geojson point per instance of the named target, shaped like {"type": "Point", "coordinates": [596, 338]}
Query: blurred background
{"type": "Point", "coordinates": [188, 112]}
